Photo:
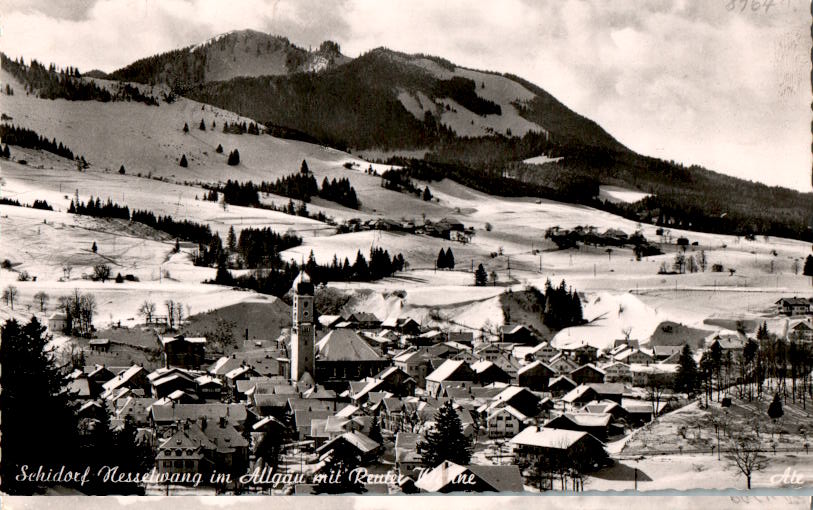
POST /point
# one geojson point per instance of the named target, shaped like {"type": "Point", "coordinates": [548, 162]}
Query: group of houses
{"type": "Point", "coordinates": [335, 379]}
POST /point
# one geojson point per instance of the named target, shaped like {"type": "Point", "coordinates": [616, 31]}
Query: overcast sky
{"type": "Point", "coordinates": [688, 80]}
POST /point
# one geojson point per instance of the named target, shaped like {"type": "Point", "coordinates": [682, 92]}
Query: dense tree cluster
{"type": "Point", "coordinates": [127, 92]}
{"type": "Point", "coordinates": [234, 158]}
{"type": "Point", "coordinates": [38, 204]}
{"type": "Point", "coordinates": [29, 139]}
{"type": "Point", "coordinates": [260, 247]}
{"type": "Point", "coordinates": [464, 92]}
{"type": "Point", "coordinates": [50, 83]}
{"type": "Point", "coordinates": [339, 191]}
{"type": "Point", "coordinates": [184, 229]}
{"type": "Point", "coordinates": [98, 209]}
{"type": "Point", "coordinates": [380, 265]}
{"type": "Point", "coordinates": [299, 186]}
{"type": "Point", "coordinates": [239, 128]}
{"type": "Point", "coordinates": [276, 278]}
{"type": "Point", "coordinates": [563, 307]}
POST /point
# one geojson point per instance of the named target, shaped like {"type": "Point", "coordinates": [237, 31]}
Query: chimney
{"type": "Point", "coordinates": [222, 422]}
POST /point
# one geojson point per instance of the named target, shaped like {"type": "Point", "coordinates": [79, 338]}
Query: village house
{"type": "Point", "coordinates": [801, 331]}
{"type": "Point", "coordinates": [793, 306]}
{"type": "Point", "coordinates": [487, 372]}
{"type": "Point", "coordinates": [561, 385]}
{"type": "Point", "coordinates": [57, 322]}
{"type": "Point", "coordinates": [586, 374]}
{"type": "Point", "coordinates": [133, 378]}
{"type": "Point", "coordinates": [449, 477]}
{"type": "Point", "coordinates": [182, 351]}
{"type": "Point", "coordinates": [616, 372]}
{"type": "Point", "coordinates": [517, 334]}
{"type": "Point", "coordinates": [505, 421]}
{"type": "Point", "coordinates": [415, 363]}
{"type": "Point", "coordinates": [535, 376]}
{"type": "Point", "coordinates": [595, 424]}
{"type": "Point", "coordinates": [562, 364]}
{"type": "Point", "coordinates": [450, 370]}
{"type": "Point", "coordinates": [639, 356]}
{"type": "Point", "coordinates": [407, 457]}
{"type": "Point", "coordinates": [536, 442]}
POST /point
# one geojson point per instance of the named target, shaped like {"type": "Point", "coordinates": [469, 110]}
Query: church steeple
{"type": "Point", "coordinates": [303, 333]}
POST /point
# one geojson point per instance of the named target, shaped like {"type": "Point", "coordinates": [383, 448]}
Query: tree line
{"type": "Point", "coordinates": [38, 204]}
{"type": "Point", "coordinates": [276, 279]}
{"type": "Point", "coordinates": [22, 137]}
{"type": "Point", "coordinates": [49, 83]}
{"type": "Point", "coordinates": [300, 186]}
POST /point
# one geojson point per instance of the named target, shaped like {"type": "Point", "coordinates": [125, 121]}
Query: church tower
{"type": "Point", "coordinates": [303, 333]}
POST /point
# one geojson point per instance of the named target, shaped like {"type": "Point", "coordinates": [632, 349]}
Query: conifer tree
{"type": "Point", "coordinates": [446, 440]}
{"type": "Point", "coordinates": [219, 149]}
{"type": "Point", "coordinates": [231, 240]}
{"type": "Point", "coordinates": [183, 161]}
{"type": "Point", "coordinates": [449, 259]}
{"type": "Point", "coordinates": [441, 262]}
{"type": "Point", "coordinates": [375, 430]}
{"type": "Point", "coordinates": [185, 127]}
{"type": "Point", "coordinates": [480, 276]}
{"type": "Point", "coordinates": [202, 125]}
{"type": "Point", "coordinates": [686, 379]}
{"type": "Point", "coordinates": [41, 434]}
{"type": "Point", "coordinates": [775, 410]}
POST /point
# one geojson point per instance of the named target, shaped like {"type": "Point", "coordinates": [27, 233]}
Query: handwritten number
{"type": "Point", "coordinates": [768, 5]}
{"type": "Point", "coordinates": [755, 5]}
{"type": "Point", "coordinates": [730, 5]}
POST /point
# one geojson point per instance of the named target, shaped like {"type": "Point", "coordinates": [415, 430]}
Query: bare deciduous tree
{"type": "Point", "coordinates": [147, 309]}
{"type": "Point", "coordinates": [41, 298]}
{"type": "Point", "coordinates": [744, 453]}
{"type": "Point", "coordinates": [10, 295]}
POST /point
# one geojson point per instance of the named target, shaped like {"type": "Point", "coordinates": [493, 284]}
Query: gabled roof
{"type": "Point", "coordinates": [345, 345]}
{"type": "Point", "coordinates": [354, 438]}
{"type": "Point", "coordinates": [363, 317]}
{"type": "Point", "coordinates": [445, 371]}
{"type": "Point", "coordinates": [123, 377]}
{"type": "Point", "coordinates": [793, 301]}
{"type": "Point", "coordinates": [562, 379]}
{"type": "Point", "coordinates": [577, 393]}
{"type": "Point", "coordinates": [181, 338]}
{"type": "Point", "coordinates": [510, 329]}
{"type": "Point", "coordinates": [534, 366]}
{"type": "Point", "coordinates": [587, 419]}
{"type": "Point", "coordinates": [513, 411]}
{"type": "Point", "coordinates": [588, 366]}
{"type": "Point", "coordinates": [559, 439]}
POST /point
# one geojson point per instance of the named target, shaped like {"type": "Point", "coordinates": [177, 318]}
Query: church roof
{"type": "Point", "coordinates": [302, 284]}
{"type": "Point", "coordinates": [345, 345]}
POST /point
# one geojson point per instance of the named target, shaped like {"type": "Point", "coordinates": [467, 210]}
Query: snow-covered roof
{"type": "Point", "coordinates": [444, 371]}
{"type": "Point", "coordinates": [548, 438]}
